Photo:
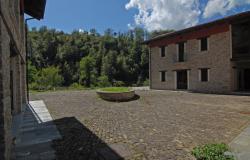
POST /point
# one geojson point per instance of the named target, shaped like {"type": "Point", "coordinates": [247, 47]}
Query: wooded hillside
{"type": "Point", "coordinates": [87, 58]}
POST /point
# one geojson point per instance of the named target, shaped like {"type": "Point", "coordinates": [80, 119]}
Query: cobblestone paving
{"type": "Point", "coordinates": [159, 125]}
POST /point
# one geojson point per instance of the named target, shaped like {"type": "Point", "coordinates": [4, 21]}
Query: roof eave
{"type": "Point", "coordinates": [229, 19]}
{"type": "Point", "coordinates": [35, 8]}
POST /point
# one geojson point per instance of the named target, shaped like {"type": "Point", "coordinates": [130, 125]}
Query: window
{"type": "Point", "coordinates": [204, 75]}
{"type": "Point", "coordinates": [204, 44]}
{"type": "Point", "coordinates": [181, 51]}
{"type": "Point", "coordinates": [163, 51]}
{"type": "Point", "coordinates": [163, 76]}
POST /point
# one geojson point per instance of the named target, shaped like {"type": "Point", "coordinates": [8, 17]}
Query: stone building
{"type": "Point", "coordinates": [13, 93]}
{"type": "Point", "coordinates": [212, 57]}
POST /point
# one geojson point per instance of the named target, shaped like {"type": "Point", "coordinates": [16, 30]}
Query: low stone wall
{"type": "Point", "coordinates": [116, 96]}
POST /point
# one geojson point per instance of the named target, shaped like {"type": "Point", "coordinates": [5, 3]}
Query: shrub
{"type": "Point", "coordinates": [34, 86]}
{"type": "Point", "coordinates": [86, 71]}
{"type": "Point", "coordinates": [146, 82]}
{"type": "Point", "coordinates": [211, 152]}
{"type": "Point", "coordinates": [118, 84]}
{"type": "Point", "coordinates": [32, 71]}
{"type": "Point", "coordinates": [76, 86]}
{"type": "Point", "coordinates": [48, 78]}
{"type": "Point", "coordinates": [103, 81]}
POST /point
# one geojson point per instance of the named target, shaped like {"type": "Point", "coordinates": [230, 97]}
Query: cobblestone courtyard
{"type": "Point", "coordinates": [159, 125]}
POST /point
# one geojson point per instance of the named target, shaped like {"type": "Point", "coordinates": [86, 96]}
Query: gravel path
{"type": "Point", "coordinates": [159, 125]}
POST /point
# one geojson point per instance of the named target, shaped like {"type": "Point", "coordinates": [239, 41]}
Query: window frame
{"type": "Point", "coordinates": [207, 74]}
{"type": "Point", "coordinates": [200, 44]}
{"type": "Point", "coordinates": [161, 76]}
{"type": "Point", "coordinates": [162, 54]}
{"type": "Point", "coordinates": [178, 51]}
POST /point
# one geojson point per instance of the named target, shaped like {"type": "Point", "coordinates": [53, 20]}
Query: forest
{"type": "Point", "coordinates": [87, 59]}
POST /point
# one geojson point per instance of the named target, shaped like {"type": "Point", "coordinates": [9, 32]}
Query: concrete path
{"type": "Point", "coordinates": [36, 133]}
{"type": "Point", "coordinates": [240, 146]}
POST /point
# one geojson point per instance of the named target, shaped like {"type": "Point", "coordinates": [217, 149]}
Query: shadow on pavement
{"type": "Point", "coordinates": [79, 143]}
{"type": "Point", "coordinates": [135, 98]}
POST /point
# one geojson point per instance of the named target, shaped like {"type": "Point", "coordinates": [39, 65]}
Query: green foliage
{"type": "Point", "coordinates": [146, 82]}
{"type": "Point", "coordinates": [116, 89]}
{"type": "Point", "coordinates": [34, 86]}
{"type": "Point", "coordinates": [32, 71]}
{"type": "Point", "coordinates": [47, 79]}
{"type": "Point", "coordinates": [118, 84]}
{"type": "Point", "coordinates": [86, 70]}
{"type": "Point", "coordinates": [85, 57]}
{"type": "Point", "coordinates": [76, 86]}
{"type": "Point", "coordinates": [211, 152]}
{"type": "Point", "coordinates": [103, 81]}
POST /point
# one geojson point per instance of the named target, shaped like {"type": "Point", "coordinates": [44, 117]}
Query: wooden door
{"type": "Point", "coordinates": [182, 79]}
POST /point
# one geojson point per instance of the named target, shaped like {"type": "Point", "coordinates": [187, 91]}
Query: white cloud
{"type": "Point", "coordinates": [178, 14]}
{"type": "Point", "coordinates": [166, 14]}
{"type": "Point", "coordinates": [214, 7]}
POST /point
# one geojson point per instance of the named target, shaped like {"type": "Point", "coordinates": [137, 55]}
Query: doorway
{"type": "Point", "coordinates": [244, 79]}
{"type": "Point", "coordinates": [182, 79]}
{"type": "Point", "coordinates": [247, 79]}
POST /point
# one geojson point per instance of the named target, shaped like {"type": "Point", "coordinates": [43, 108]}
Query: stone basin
{"type": "Point", "coordinates": [116, 96]}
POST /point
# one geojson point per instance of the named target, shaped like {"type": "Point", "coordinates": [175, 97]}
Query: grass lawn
{"type": "Point", "coordinates": [116, 89]}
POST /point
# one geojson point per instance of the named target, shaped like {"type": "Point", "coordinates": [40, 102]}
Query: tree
{"type": "Point", "coordinates": [49, 78]}
{"type": "Point", "coordinates": [86, 71]}
{"type": "Point", "coordinates": [88, 57]}
{"type": "Point", "coordinates": [109, 65]}
{"type": "Point", "coordinates": [32, 71]}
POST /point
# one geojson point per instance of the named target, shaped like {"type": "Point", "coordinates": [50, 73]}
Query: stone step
{"type": "Point", "coordinates": [39, 156]}
{"type": "Point", "coordinates": [35, 148]}
{"type": "Point", "coordinates": [38, 128]}
{"type": "Point", "coordinates": [33, 139]}
{"type": "Point", "coordinates": [36, 134]}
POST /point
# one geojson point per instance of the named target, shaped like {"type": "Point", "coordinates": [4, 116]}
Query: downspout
{"type": "Point", "coordinates": [26, 57]}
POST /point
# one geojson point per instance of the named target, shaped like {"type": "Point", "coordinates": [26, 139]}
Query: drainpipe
{"type": "Point", "coordinates": [26, 57]}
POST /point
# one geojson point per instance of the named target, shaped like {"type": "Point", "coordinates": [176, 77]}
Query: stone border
{"type": "Point", "coordinates": [116, 96]}
{"type": "Point", "coordinates": [240, 146]}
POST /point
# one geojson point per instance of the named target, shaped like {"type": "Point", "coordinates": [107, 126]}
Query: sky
{"type": "Point", "coordinates": [122, 15]}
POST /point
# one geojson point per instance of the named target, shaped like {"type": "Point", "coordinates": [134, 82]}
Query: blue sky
{"type": "Point", "coordinates": [68, 15]}
{"type": "Point", "coordinates": [72, 15]}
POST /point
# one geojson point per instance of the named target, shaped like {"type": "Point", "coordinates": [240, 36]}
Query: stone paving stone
{"type": "Point", "coordinates": [158, 125]}
{"type": "Point", "coordinates": [241, 145]}
{"type": "Point", "coordinates": [112, 152]}
{"type": "Point", "coordinates": [36, 134]}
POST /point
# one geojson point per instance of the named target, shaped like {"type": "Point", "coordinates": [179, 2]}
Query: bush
{"type": "Point", "coordinates": [211, 152]}
{"type": "Point", "coordinates": [32, 71]}
{"type": "Point", "coordinates": [146, 82]}
{"type": "Point", "coordinates": [118, 84]}
{"type": "Point", "coordinates": [103, 81]}
{"type": "Point", "coordinates": [76, 86]}
{"type": "Point", "coordinates": [47, 79]}
{"type": "Point", "coordinates": [34, 86]}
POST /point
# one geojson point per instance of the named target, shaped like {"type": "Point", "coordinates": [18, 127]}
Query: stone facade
{"type": "Point", "coordinates": [217, 58]}
{"type": "Point", "coordinates": [12, 70]}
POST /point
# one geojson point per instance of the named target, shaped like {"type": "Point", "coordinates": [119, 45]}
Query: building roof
{"type": "Point", "coordinates": [35, 8]}
{"type": "Point", "coordinates": [229, 19]}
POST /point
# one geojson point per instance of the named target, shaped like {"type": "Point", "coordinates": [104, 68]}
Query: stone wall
{"type": "Point", "coordinates": [217, 58]}
{"type": "Point", "coordinates": [12, 58]}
